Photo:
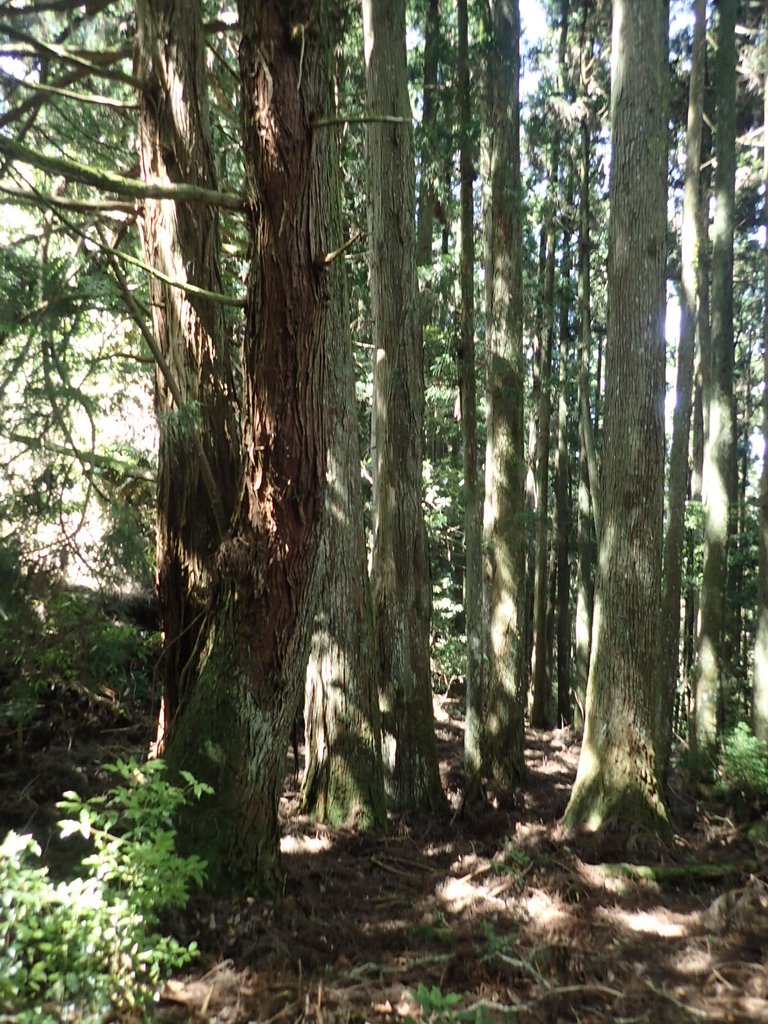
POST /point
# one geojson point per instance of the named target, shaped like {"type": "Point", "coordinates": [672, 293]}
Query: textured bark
{"type": "Point", "coordinates": [235, 728]}
{"type": "Point", "coordinates": [194, 397]}
{"type": "Point", "coordinates": [586, 500]}
{"type": "Point", "coordinates": [473, 509]}
{"type": "Point", "coordinates": [669, 637]}
{"type": "Point", "coordinates": [719, 455]}
{"type": "Point", "coordinates": [562, 494]}
{"type": "Point", "coordinates": [504, 463]}
{"type": "Point", "coordinates": [760, 682]}
{"type": "Point", "coordinates": [343, 779]}
{"type": "Point", "coordinates": [427, 195]}
{"type": "Point", "coordinates": [617, 778]}
{"type": "Point", "coordinates": [541, 708]}
{"type": "Point", "coordinates": [400, 569]}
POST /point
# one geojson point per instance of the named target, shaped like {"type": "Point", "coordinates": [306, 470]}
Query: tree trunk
{"type": "Point", "coordinates": [343, 778]}
{"type": "Point", "coordinates": [760, 691]}
{"type": "Point", "coordinates": [719, 455]}
{"type": "Point", "coordinates": [400, 573]}
{"type": "Point", "coordinates": [617, 778]}
{"type": "Point", "coordinates": [541, 708]}
{"type": "Point", "coordinates": [562, 494]}
{"type": "Point", "coordinates": [668, 663]}
{"type": "Point", "coordinates": [504, 463]}
{"type": "Point", "coordinates": [473, 512]}
{"type": "Point", "coordinates": [425, 215]}
{"type": "Point", "coordinates": [259, 620]}
{"type": "Point", "coordinates": [194, 397]}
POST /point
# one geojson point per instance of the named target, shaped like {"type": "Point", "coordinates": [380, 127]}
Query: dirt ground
{"type": "Point", "coordinates": [489, 914]}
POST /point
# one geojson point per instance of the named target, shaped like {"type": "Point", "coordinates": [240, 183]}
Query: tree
{"type": "Point", "coordinates": [343, 777]}
{"type": "Point", "coordinates": [504, 460]}
{"type": "Point", "coordinates": [617, 776]}
{"type": "Point", "coordinates": [691, 242]}
{"type": "Point", "coordinates": [719, 478]}
{"type": "Point", "coordinates": [760, 694]}
{"type": "Point", "coordinates": [400, 565]}
{"type": "Point", "coordinates": [260, 617]}
{"type": "Point", "coordinates": [195, 396]}
{"type": "Point", "coordinates": [473, 512]}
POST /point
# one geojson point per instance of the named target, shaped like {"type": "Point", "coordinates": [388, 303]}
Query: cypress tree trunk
{"type": "Point", "coordinates": [668, 663]}
{"type": "Point", "coordinates": [760, 690]}
{"type": "Point", "coordinates": [541, 708]}
{"type": "Point", "coordinates": [343, 779]}
{"type": "Point", "coordinates": [473, 514]}
{"type": "Point", "coordinates": [400, 573]}
{"type": "Point", "coordinates": [194, 397]}
{"type": "Point", "coordinates": [562, 493]}
{"type": "Point", "coordinates": [260, 617]}
{"type": "Point", "coordinates": [425, 214]}
{"type": "Point", "coordinates": [719, 455]}
{"type": "Point", "coordinates": [504, 462]}
{"type": "Point", "coordinates": [617, 779]}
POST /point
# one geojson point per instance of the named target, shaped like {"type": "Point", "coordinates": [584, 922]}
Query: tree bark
{"type": "Point", "coordinates": [261, 613]}
{"type": "Point", "coordinates": [719, 455]}
{"type": "Point", "coordinates": [473, 514]}
{"type": "Point", "coordinates": [504, 462]}
{"type": "Point", "coordinates": [617, 777]}
{"type": "Point", "coordinates": [562, 493]}
{"type": "Point", "coordinates": [343, 779]}
{"type": "Point", "coordinates": [400, 571]}
{"type": "Point", "coordinates": [668, 663]}
{"type": "Point", "coordinates": [760, 681]}
{"type": "Point", "coordinates": [194, 396]}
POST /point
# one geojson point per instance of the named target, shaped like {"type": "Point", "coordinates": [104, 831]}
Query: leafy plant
{"type": "Point", "coordinates": [91, 942]}
{"type": "Point", "coordinates": [438, 1007]}
{"type": "Point", "coordinates": [744, 766]}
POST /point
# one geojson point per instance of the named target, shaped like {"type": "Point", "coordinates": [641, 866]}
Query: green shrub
{"type": "Point", "coordinates": [88, 946]}
{"type": "Point", "coordinates": [744, 766]}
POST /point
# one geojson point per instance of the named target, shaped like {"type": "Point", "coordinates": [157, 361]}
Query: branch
{"type": "Point", "coordinates": [192, 289]}
{"type": "Point", "coordinates": [329, 122]}
{"type": "Point", "coordinates": [69, 94]}
{"type": "Point", "coordinates": [46, 201]}
{"type": "Point", "coordinates": [95, 62]}
{"type": "Point", "coordinates": [117, 183]}
{"type": "Point", "coordinates": [331, 256]}
{"type": "Point", "coordinates": [45, 444]}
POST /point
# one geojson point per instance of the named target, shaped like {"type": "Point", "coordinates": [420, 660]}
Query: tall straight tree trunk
{"type": "Point", "coordinates": [719, 454]}
{"type": "Point", "coordinates": [668, 662]}
{"type": "Point", "coordinates": [760, 683]}
{"type": "Point", "coordinates": [504, 461]}
{"type": "Point", "coordinates": [617, 777]}
{"type": "Point", "coordinates": [259, 621]}
{"type": "Point", "coordinates": [194, 396]}
{"type": "Point", "coordinates": [425, 214]}
{"type": "Point", "coordinates": [541, 707]}
{"type": "Point", "coordinates": [562, 493]}
{"type": "Point", "coordinates": [343, 778]}
{"type": "Point", "coordinates": [588, 498]}
{"type": "Point", "coordinates": [473, 509]}
{"type": "Point", "coordinates": [400, 572]}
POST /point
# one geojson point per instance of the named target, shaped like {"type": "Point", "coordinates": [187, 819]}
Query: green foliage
{"type": "Point", "coordinates": [744, 767]}
{"type": "Point", "coordinates": [90, 942]}
{"type": "Point", "coordinates": [438, 1007]}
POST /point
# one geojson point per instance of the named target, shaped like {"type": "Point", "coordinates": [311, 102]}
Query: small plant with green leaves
{"type": "Point", "coordinates": [438, 1007]}
{"type": "Point", "coordinates": [744, 767]}
{"type": "Point", "coordinates": [91, 942]}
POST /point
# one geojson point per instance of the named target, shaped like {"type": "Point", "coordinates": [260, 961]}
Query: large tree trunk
{"type": "Point", "coordinates": [719, 455]}
{"type": "Point", "coordinates": [669, 637]}
{"type": "Point", "coordinates": [194, 399]}
{"type": "Point", "coordinates": [504, 462]}
{"type": "Point", "coordinates": [562, 494]}
{"type": "Point", "coordinates": [473, 510]}
{"type": "Point", "coordinates": [343, 778]}
{"type": "Point", "coordinates": [234, 729]}
{"type": "Point", "coordinates": [617, 777]}
{"type": "Point", "coordinates": [760, 691]}
{"type": "Point", "coordinates": [400, 571]}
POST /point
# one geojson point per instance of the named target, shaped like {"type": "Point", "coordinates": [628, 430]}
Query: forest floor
{"type": "Point", "coordinates": [489, 914]}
